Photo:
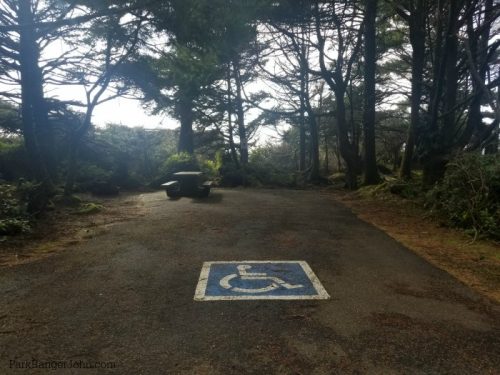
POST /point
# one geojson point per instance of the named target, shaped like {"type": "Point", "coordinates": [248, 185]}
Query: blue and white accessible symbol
{"type": "Point", "coordinates": [254, 280]}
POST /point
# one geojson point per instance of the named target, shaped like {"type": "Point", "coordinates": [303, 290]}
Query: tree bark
{"type": "Point", "coordinates": [370, 163]}
{"type": "Point", "coordinates": [232, 147]}
{"type": "Point", "coordinates": [447, 79]}
{"type": "Point", "coordinates": [477, 55]}
{"type": "Point", "coordinates": [338, 84]}
{"type": "Point", "coordinates": [417, 40]}
{"type": "Point", "coordinates": [314, 174]}
{"type": "Point", "coordinates": [37, 137]}
{"type": "Point", "coordinates": [185, 108]}
{"type": "Point", "coordinates": [313, 129]}
{"type": "Point", "coordinates": [492, 146]}
{"type": "Point", "coordinates": [346, 148]}
{"type": "Point", "coordinates": [327, 157]}
{"type": "Point", "coordinates": [451, 80]}
{"type": "Point", "coordinates": [241, 115]}
{"type": "Point", "coordinates": [302, 127]}
{"type": "Point", "coordinates": [72, 166]}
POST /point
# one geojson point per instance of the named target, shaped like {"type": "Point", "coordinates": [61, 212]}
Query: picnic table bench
{"type": "Point", "coordinates": [189, 184]}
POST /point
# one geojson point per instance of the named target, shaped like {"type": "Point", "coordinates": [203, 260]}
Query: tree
{"type": "Point", "coordinates": [20, 45]}
{"type": "Point", "coordinates": [416, 15]}
{"type": "Point", "coordinates": [184, 65]}
{"type": "Point", "coordinates": [97, 70]}
{"type": "Point", "coordinates": [451, 121]}
{"type": "Point", "coordinates": [346, 35]}
{"type": "Point", "coordinates": [370, 162]}
{"type": "Point", "coordinates": [292, 72]}
{"type": "Point", "coordinates": [28, 29]}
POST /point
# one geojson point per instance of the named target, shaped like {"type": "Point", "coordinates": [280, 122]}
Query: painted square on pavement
{"type": "Point", "coordinates": [257, 280]}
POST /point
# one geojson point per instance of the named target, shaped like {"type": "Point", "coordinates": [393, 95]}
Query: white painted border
{"type": "Point", "coordinates": [205, 270]}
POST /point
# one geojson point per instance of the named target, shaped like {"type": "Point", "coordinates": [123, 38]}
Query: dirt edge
{"type": "Point", "coordinates": [476, 264]}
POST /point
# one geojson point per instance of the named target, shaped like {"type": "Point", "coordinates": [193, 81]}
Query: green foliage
{"type": "Point", "coordinates": [124, 157]}
{"type": "Point", "coordinates": [209, 167]}
{"type": "Point", "coordinates": [271, 165]}
{"type": "Point", "coordinates": [405, 189]}
{"type": "Point", "coordinates": [9, 144]}
{"type": "Point", "coordinates": [10, 121]}
{"type": "Point", "coordinates": [230, 174]}
{"type": "Point", "coordinates": [91, 173]}
{"type": "Point", "coordinates": [89, 208]}
{"type": "Point", "coordinates": [13, 161]}
{"type": "Point", "coordinates": [13, 226]}
{"type": "Point", "coordinates": [469, 195]}
{"type": "Point", "coordinates": [181, 161]}
{"type": "Point", "coordinates": [13, 211]}
{"type": "Point", "coordinates": [34, 195]}
{"type": "Point", "coordinates": [184, 161]}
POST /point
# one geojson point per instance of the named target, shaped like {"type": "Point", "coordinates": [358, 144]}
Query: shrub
{"type": "Point", "coordinates": [181, 161]}
{"type": "Point", "coordinates": [91, 173]}
{"type": "Point", "coordinates": [271, 165]}
{"type": "Point", "coordinates": [469, 195]}
{"type": "Point", "coordinates": [89, 208]}
{"type": "Point", "coordinates": [231, 175]}
{"type": "Point", "coordinates": [13, 160]}
{"type": "Point", "coordinates": [13, 211]}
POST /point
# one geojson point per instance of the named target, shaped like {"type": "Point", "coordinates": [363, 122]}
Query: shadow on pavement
{"type": "Point", "coordinates": [212, 198]}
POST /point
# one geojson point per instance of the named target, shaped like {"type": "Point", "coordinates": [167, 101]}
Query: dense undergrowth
{"type": "Point", "coordinates": [122, 159]}
{"type": "Point", "coordinates": [14, 218]}
{"type": "Point", "coordinates": [468, 197]}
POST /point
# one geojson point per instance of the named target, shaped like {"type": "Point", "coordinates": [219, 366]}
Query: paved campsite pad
{"type": "Point", "coordinates": [258, 280]}
{"type": "Point", "coordinates": [126, 296]}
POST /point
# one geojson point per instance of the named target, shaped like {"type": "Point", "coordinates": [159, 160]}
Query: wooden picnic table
{"type": "Point", "coordinates": [188, 183]}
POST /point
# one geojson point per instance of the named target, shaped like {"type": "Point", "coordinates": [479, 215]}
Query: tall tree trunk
{"type": "Point", "coordinates": [492, 146]}
{"type": "Point", "coordinates": [435, 163]}
{"type": "Point", "coordinates": [232, 147]}
{"type": "Point", "coordinates": [337, 154]}
{"type": "Point", "coordinates": [34, 110]}
{"type": "Point", "coordinates": [76, 139]}
{"type": "Point", "coordinates": [304, 65]}
{"type": "Point", "coordinates": [417, 40]}
{"type": "Point", "coordinates": [438, 68]}
{"type": "Point", "coordinates": [322, 127]}
{"type": "Point", "coordinates": [477, 54]}
{"type": "Point", "coordinates": [327, 157]}
{"type": "Point", "coordinates": [355, 129]}
{"type": "Point", "coordinates": [72, 166]}
{"type": "Point", "coordinates": [338, 84]}
{"type": "Point", "coordinates": [185, 110]}
{"type": "Point", "coordinates": [242, 133]}
{"type": "Point", "coordinates": [314, 174]}
{"type": "Point", "coordinates": [313, 129]}
{"type": "Point", "coordinates": [302, 126]}
{"type": "Point", "coordinates": [347, 150]}
{"type": "Point", "coordinates": [370, 163]}
{"type": "Point", "coordinates": [451, 80]}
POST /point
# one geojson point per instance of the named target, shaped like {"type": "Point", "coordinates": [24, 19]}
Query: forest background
{"type": "Point", "coordinates": [400, 95]}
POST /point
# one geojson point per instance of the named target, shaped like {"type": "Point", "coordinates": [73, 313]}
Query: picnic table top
{"type": "Point", "coordinates": [188, 173]}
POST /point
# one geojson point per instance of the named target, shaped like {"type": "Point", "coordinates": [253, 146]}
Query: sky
{"type": "Point", "coordinates": [129, 112]}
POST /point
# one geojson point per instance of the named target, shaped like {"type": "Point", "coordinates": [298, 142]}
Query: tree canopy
{"type": "Point", "coordinates": [351, 86]}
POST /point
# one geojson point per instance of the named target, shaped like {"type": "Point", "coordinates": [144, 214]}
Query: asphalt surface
{"type": "Point", "coordinates": [125, 298]}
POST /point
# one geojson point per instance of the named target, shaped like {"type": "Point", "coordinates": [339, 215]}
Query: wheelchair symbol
{"type": "Point", "coordinates": [243, 274]}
